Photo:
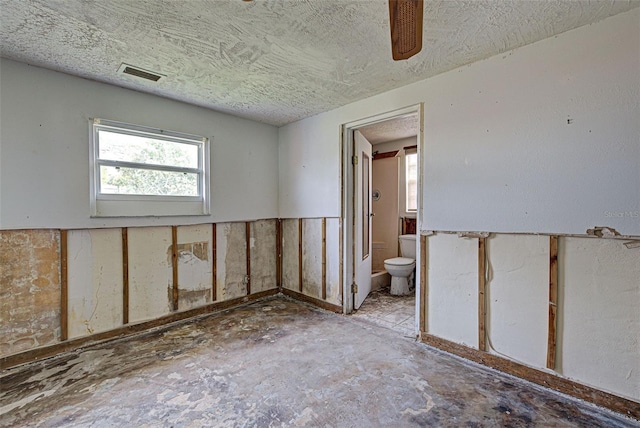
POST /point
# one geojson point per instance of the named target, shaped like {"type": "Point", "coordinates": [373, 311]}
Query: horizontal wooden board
{"type": "Point", "coordinates": [600, 398]}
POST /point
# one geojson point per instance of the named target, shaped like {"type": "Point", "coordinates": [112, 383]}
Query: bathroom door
{"type": "Point", "coordinates": [362, 223]}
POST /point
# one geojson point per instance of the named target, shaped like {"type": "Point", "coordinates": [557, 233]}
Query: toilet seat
{"type": "Point", "coordinates": [399, 261]}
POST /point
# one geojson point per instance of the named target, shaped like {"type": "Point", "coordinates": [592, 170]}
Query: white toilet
{"type": "Point", "coordinates": [401, 268]}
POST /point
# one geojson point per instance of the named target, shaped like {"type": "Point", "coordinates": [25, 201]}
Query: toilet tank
{"type": "Point", "coordinates": [408, 246]}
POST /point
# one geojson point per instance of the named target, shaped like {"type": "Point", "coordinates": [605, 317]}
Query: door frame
{"type": "Point", "coordinates": [348, 184]}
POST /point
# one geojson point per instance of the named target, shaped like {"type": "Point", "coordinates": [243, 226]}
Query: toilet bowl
{"type": "Point", "coordinates": [401, 268]}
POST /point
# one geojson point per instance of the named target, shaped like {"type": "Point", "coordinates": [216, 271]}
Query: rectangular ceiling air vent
{"type": "Point", "coordinates": [140, 72]}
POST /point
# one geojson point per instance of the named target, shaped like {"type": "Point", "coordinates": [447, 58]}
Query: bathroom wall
{"type": "Point", "coordinates": [385, 222]}
{"type": "Point", "coordinates": [388, 174]}
{"type": "Point", "coordinates": [389, 146]}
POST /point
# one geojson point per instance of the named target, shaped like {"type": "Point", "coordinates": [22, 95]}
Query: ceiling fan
{"type": "Point", "coordinates": [405, 20]}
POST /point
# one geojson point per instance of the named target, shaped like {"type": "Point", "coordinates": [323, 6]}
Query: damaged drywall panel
{"type": "Point", "coordinates": [150, 273]}
{"type": "Point", "coordinates": [598, 316]}
{"type": "Point", "coordinates": [290, 262]}
{"type": "Point", "coordinates": [517, 296]}
{"type": "Point", "coordinates": [194, 266]}
{"type": "Point", "coordinates": [231, 250]}
{"type": "Point", "coordinates": [334, 289]}
{"type": "Point", "coordinates": [312, 257]}
{"type": "Point", "coordinates": [29, 289]}
{"type": "Point", "coordinates": [94, 281]}
{"type": "Point", "coordinates": [262, 244]}
{"type": "Point", "coordinates": [453, 288]}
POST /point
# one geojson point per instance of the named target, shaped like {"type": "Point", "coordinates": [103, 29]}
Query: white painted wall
{"type": "Point", "coordinates": [599, 314]}
{"type": "Point", "coordinates": [452, 288]}
{"type": "Point", "coordinates": [598, 322]}
{"type": "Point", "coordinates": [44, 169]}
{"type": "Point", "coordinates": [517, 296]}
{"type": "Point", "coordinates": [499, 154]}
{"type": "Point", "coordinates": [94, 281]}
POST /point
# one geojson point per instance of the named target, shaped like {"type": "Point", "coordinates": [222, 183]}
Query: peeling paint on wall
{"type": "Point", "coordinates": [603, 232]}
{"type": "Point", "coordinates": [94, 281]}
{"type": "Point", "coordinates": [232, 260]}
{"type": "Point", "coordinates": [312, 257]}
{"type": "Point", "coordinates": [194, 266]}
{"type": "Point", "coordinates": [263, 255]}
{"type": "Point", "coordinates": [290, 254]}
{"type": "Point", "coordinates": [150, 275]}
{"type": "Point", "coordinates": [334, 264]}
{"type": "Point", "coordinates": [29, 289]}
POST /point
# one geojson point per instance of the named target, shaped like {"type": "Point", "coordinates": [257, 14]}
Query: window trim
{"type": "Point", "coordinates": [125, 205]}
{"type": "Point", "coordinates": [405, 165]}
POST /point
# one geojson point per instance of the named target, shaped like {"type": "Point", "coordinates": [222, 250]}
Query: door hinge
{"type": "Point", "coordinates": [354, 160]}
{"type": "Point", "coordinates": [354, 288]}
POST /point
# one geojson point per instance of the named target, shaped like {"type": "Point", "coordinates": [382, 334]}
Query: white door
{"type": "Point", "coordinates": [362, 223]}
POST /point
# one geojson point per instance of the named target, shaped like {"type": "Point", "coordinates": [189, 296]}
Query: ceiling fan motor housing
{"type": "Point", "coordinates": [405, 20]}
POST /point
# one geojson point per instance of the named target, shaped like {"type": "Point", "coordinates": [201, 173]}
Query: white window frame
{"type": "Point", "coordinates": [403, 183]}
{"type": "Point", "coordinates": [113, 205]}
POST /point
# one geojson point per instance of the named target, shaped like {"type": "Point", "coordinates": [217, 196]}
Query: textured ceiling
{"type": "Point", "coordinates": [392, 129]}
{"type": "Point", "coordinates": [275, 61]}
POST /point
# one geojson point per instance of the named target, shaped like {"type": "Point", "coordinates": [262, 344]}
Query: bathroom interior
{"type": "Point", "coordinates": [391, 302]}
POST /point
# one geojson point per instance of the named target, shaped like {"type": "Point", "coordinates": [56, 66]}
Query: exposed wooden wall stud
{"type": "Point", "coordinates": [214, 264]}
{"type": "Point", "coordinates": [125, 276]}
{"type": "Point", "coordinates": [248, 238]}
{"type": "Point", "coordinates": [64, 287]}
{"type": "Point", "coordinates": [300, 254]}
{"type": "Point", "coordinates": [423, 283]}
{"type": "Point", "coordinates": [482, 311]}
{"type": "Point", "coordinates": [324, 258]}
{"type": "Point", "coordinates": [174, 264]}
{"type": "Point", "coordinates": [553, 301]}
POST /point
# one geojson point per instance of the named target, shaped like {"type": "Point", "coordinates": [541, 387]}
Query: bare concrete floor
{"type": "Point", "coordinates": [277, 362]}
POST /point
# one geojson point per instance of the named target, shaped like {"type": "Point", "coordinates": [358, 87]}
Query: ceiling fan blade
{"type": "Point", "coordinates": [405, 19]}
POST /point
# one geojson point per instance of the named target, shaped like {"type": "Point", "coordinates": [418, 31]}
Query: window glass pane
{"type": "Point", "coordinates": [132, 148]}
{"type": "Point", "coordinates": [134, 181]}
{"type": "Point", "coordinates": [411, 162]}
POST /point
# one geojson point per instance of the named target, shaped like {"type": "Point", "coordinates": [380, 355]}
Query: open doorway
{"type": "Point", "coordinates": [381, 197]}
